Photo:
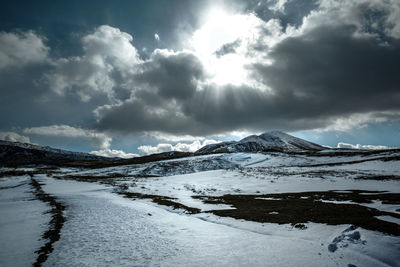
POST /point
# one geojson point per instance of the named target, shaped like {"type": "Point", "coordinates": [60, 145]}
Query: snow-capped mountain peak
{"type": "Point", "coordinates": [269, 141]}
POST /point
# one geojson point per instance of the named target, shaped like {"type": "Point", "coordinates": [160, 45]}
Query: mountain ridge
{"type": "Point", "coordinates": [269, 141]}
{"type": "Point", "coordinates": [16, 153]}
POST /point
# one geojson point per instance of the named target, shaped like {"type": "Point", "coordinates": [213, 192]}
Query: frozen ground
{"type": "Point", "coordinates": [103, 228]}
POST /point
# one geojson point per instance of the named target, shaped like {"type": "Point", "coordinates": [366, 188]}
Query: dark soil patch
{"type": "Point", "coordinates": [55, 224]}
{"type": "Point", "coordinates": [300, 226]}
{"type": "Point", "coordinates": [379, 177]}
{"type": "Point", "coordinates": [279, 172]}
{"type": "Point", "coordinates": [161, 200]}
{"type": "Point", "coordinates": [389, 153]}
{"type": "Point", "coordinates": [9, 173]}
{"type": "Point", "coordinates": [90, 178]}
{"type": "Point", "coordinates": [383, 158]}
{"type": "Point", "coordinates": [107, 179]}
{"type": "Point", "coordinates": [299, 208]}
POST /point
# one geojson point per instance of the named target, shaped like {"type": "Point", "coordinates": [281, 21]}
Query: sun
{"type": "Point", "coordinates": [223, 28]}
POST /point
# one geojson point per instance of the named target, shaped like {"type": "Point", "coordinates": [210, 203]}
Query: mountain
{"type": "Point", "coordinates": [15, 153]}
{"type": "Point", "coordinates": [22, 154]}
{"type": "Point", "coordinates": [269, 141]}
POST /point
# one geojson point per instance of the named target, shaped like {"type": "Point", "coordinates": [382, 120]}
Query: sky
{"type": "Point", "coordinates": [127, 78]}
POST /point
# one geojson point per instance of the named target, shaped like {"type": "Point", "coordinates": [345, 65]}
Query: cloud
{"type": "Point", "coordinates": [100, 140]}
{"type": "Point", "coordinates": [113, 153]}
{"type": "Point", "coordinates": [184, 147]}
{"type": "Point", "coordinates": [147, 150]}
{"type": "Point", "coordinates": [169, 74]}
{"type": "Point", "coordinates": [22, 48]}
{"type": "Point", "coordinates": [358, 146]}
{"type": "Point", "coordinates": [14, 137]}
{"type": "Point", "coordinates": [371, 17]}
{"type": "Point", "coordinates": [278, 5]}
{"type": "Point", "coordinates": [330, 70]}
{"type": "Point", "coordinates": [25, 98]}
{"type": "Point", "coordinates": [162, 84]}
{"type": "Point", "coordinates": [107, 60]}
{"type": "Point", "coordinates": [228, 48]}
{"type": "Point", "coordinates": [360, 120]}
{"type": "Point", "coordinates": [173, 138]}
{"type": "Point", "coordinates": [310, 77]}
{"type": "Point", "coordinates": [334, 69]}
{"type": "Point", "coordinates": [157, 37]}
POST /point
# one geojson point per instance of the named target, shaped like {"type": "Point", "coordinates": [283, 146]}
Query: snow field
{"type": "Point", "coordinates": [23, 220]}
{"type": "Point", "coordinates": [106, 229]}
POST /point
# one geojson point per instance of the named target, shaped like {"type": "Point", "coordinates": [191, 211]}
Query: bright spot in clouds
{"type": "Point", "coordinates": [221, 29]}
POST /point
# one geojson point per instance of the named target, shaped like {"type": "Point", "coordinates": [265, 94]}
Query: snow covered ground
{"type": "Point", "coordinates": [23, 220]}
{"type": "Point", "coordinates": [103, 228]}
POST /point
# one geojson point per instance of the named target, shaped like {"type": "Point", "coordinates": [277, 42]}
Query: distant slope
{"type": "Point", "coordinates": [16, 154]}
{"type": "Point", "coordinates": [269, 141]}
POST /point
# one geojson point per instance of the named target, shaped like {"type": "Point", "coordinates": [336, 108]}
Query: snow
{"type": "Point", "coordinates": [389, 219]}
{"type": "Point", "coordinates": [293, 143]}
{"type": "Point", "coordinates": [22, 222]}
{"type": "Point", "coordinates": [106, 229]}
{"type": "Point", "coordinates": [222, 182]}
{"type": "Point", "coordinates": [252, 173]}
{"type": "Point", "coordinates": [378, 167]}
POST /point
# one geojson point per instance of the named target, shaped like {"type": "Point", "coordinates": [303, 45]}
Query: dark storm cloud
{"type": "Point", "coordinates": [173, 76]}
{"type": "Point", "coordinates": [26, 101]}
{"type": "Point", "coordinates": [209, 111]}
{"type": "Point", "coordinates": [334, 72]}
{"type": "Point", "coordinates": [135, 116]}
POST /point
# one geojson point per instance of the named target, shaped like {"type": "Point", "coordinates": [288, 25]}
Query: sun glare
{"type": "Point", "coordinates": [221, 28]}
